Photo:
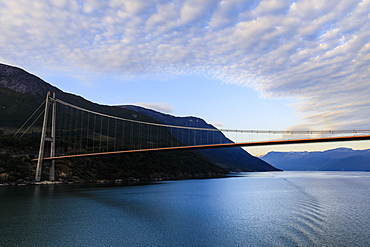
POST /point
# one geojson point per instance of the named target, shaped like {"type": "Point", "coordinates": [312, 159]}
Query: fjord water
{"type": "Point", "coordinates": [248, 209]}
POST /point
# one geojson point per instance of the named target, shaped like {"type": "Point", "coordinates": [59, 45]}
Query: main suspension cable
{"type": "Point", "coordinates": [223, 130]}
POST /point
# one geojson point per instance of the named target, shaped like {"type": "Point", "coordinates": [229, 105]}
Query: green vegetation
{"type": "Point", "coordinates": [16, 165]}
{"type": "Point", "coordinates": [15, 169]}
{"type": "Point", "coordinates": [14, 109]}
{"type": "Point", "coordinates": [21, 93]}
{"type": "Point", "coordinates": [138, 167]}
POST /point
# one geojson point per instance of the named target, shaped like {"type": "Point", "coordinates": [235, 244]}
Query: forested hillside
{"type": "Point", "coordinates": [21, 93]}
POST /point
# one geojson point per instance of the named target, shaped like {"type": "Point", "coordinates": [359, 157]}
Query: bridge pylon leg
{"type": "Point", "coordinates": [45, 138]}
{"type": "Point", "coordinates": [52, 147]}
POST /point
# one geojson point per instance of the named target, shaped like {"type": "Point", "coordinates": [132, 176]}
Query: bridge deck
{"type": "Point", "coordinates": [225, 145]}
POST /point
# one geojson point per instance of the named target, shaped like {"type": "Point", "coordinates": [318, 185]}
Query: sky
{"type": "Point", "coordinates": [238, 64]}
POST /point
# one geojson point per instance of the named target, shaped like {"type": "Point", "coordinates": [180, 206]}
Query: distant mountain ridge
{"type": "Point", "coordinates": [339, 159]}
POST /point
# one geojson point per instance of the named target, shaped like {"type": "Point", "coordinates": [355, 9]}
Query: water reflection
{"type": "Point", "coordinates": [272, 208]}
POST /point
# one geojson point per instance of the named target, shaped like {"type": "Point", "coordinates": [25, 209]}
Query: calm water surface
{"type": "Point", "coordinates": [249, 209]}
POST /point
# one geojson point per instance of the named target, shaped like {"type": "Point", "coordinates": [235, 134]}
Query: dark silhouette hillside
{"type": "Point", "coordinates": [21, 93]}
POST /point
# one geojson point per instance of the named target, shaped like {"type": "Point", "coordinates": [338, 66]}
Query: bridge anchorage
{"type": "Point", "coordinates": [69, 131]}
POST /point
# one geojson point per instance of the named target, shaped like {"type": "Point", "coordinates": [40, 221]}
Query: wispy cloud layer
{"type": "Point", "coordinates": [161, 107]}
{"type": "Point", "coordinates": [317, 51]}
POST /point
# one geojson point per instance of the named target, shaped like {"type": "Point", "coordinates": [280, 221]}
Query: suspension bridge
{"type": "Point", "coordinates": [70, 131]}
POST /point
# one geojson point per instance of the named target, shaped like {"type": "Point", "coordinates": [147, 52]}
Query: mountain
{"type": "Point", "coordinates": [21, 93]}
{"type": "Point", "coordinates": [340, 159]}
{"type": "Point", "coordinates": [232, 159]}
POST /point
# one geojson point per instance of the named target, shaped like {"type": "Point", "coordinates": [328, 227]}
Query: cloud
{"type": "Point", "coordinates": [217, 124]}
{"type": "Point", "coordinates": [315, 51]}
{"type": "Point", "coordinates": [161, 107]}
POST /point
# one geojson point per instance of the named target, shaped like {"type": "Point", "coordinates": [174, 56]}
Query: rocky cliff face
{"type": "Point", "coordinates": [21, 81]}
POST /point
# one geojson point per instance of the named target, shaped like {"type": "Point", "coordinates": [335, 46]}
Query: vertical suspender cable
{"type": "Point", "coordinates": [87, 132]}
{"type": "Point", "coordinates": [123, 134]}
{"type": "Point", "coordinates": [115, 134]}
{"type": "Point", "coordinates": [75, 136]}
{"type": "Point", "coordinates": [107, 135]}
{"type": "Point", "coordinates": [94, 132]}
{"type": "Point", "coordinates": [82, 130]}
{"type": "Point", "coordinates": [131, 134]}
{"type": "Point", "coordinates": [101, 132]}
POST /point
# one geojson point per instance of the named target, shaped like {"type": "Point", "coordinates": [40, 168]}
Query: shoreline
{"type": "Point", "coordinates": [124, 182]}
